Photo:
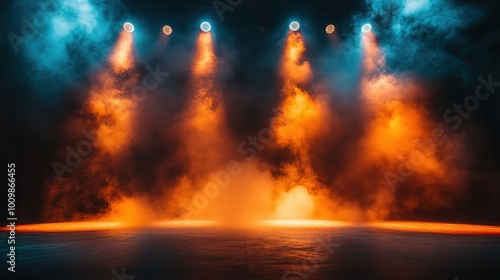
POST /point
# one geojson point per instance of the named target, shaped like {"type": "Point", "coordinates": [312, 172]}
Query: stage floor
{"type": "Point", "coordinates": [353, 252]}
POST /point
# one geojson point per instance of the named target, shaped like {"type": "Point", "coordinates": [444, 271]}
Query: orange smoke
{"type": "Point", "coordinates": [294, 68]}
{"type": "Point", "coordinates": [109, 104]}
{"type": "Point", "coordinates": [373, 60]}
{"type": "Point", "coordinates": [121, 58]}
{"type": "Point", "coordinates": [395, 119]}
{"type": "Point", "coordinates": [301, 113]}
{"type": "Point", "coordinates": [203, 131]}
{"type": "Point", "coordinates": [301, 120]}
{"type": "Point", "coordinates": [398, 125]}
{"type": "Point", "coordinates": [107, 115]}
{"type": "Point", "coordinates": [205, 61]}
{"type": "Point", "coordinates": [295, 204]}
{"type": "Point", "coordinates": [113, 113]}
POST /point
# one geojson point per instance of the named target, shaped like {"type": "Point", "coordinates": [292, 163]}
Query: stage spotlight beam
{"type": "Point", "coordinates": [294, 26]}
{"type": "Point", "coordinates": [205, 26]}
{"type": "Point", "coordinates": [366, 28]}
{"type": "Point", "coordinates": [167, 30]}
{"type": "Point", "coordinates": [128, 27]}
{"type": "Point", "coordinates": [330, 29]}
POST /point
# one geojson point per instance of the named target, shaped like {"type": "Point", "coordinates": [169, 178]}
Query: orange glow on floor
{"type": "Point", "coordinates": [304, 223]}
{"type": "Point", "coordinates": [406, 226]}
{"type": "Point", "coordinates": [184, 224]}
{"type": "Point", "coordinates": [107, 226]}
{"type": "Point", "coordinates": [439, 228]}
{"type": "Point", "coordinates": [71, 227]}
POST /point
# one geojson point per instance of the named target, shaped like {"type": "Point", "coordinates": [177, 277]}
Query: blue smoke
{"type": "Point", "coordinates": [60, 40]}
{"type": "Point", "coordinates": [423, 35]}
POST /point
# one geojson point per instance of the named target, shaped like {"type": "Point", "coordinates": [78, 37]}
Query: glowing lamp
{"type": "Point", "coordinates": [167, 30]}
{"type": "Point", "coordinates": [128, 27]}
{"type": "Point", "coordinates": [330, 29]}
{"type": "Point", "coordinates": [294, 26]}
{"type": "Point", "coordinates": [205, 27]}
{"type": "Point", "coordinates": [366, 28]}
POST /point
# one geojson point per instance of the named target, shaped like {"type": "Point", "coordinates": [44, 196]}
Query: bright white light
{"type": "Point", "coordinates": [129, 27]}
{"type": "Point", "coordinates": [330, 29]}
{"type": "Point", "coordinates": [294, 26]}
{"type": "Point", "coordinates": [205, 27]}
{"type": "Point", "coordinates": [366, 28]}
{"type": "Point", "coordinates": [412, 6]}
{"type": "Point", "coordinates": [167, 30]}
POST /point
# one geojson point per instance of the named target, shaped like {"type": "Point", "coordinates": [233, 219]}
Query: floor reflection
{"type": "Point", "coordinates": [277, 252]}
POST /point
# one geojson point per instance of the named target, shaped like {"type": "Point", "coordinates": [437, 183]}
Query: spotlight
{"type": "Point", "coordinates": [294, 26]}
{"type": "Point", "coordinates": [205, 27]}
{"type": "Point", "coordinates": [167, 30]}
{"type": "Point", "coordinates": [330, 29]}
{"type": "Point", "coordinates": [129, 27]}
{"type": "Point", "coordinates": [366, 28]}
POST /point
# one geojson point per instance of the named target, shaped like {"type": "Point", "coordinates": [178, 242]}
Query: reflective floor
{"type": "Point", "coordinates": [353, 252]}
